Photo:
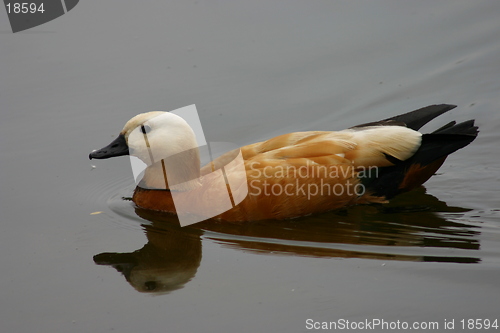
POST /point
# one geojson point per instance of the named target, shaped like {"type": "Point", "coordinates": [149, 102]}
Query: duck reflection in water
{"type": "Point", "coordinates": [167, 262]}
{"type": "Point", "coordinates": [394, 231]}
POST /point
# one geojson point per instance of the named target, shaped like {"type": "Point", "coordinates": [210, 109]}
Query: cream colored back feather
{"type": "Point", "coordinates": [359, 147]}
{"type": "Point", "coordinates": [375, 141]}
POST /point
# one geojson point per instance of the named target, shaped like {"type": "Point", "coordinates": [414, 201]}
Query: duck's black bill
{"type": "Point", "coordinates": [118, 147]}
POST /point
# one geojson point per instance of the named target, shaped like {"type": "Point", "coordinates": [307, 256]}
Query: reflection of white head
{"type": "Point", "coordinates": [167, 144]}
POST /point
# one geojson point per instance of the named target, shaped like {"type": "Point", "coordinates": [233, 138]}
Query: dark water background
{"type": "Point", "coordinates": [255, 70]}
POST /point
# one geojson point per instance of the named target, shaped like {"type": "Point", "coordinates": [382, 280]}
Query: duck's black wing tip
{"type": "Point", "coordinates": [418, 118]}
{"type": "Point", "coordinates": [414, 119]}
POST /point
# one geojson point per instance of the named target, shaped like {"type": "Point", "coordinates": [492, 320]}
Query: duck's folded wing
{"type": "Point", "coordinates": [383, 145]}
{"type": "Point", "coordinates": [371, 146]}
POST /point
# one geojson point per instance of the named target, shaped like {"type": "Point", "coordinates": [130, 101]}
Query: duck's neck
{"type": "Point", "coordinates": [181, 173]}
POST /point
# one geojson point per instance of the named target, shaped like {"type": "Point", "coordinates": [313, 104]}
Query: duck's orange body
{"type": "Point", "coordinates": [303, 173]}
{"type": "Point", "coordinates": [288, 176]}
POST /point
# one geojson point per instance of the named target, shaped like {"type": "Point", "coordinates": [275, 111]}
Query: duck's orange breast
{"type": "Point", "coordinates": [280, 191]}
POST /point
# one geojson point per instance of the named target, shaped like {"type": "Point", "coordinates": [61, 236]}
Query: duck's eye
{"type": "Point", "coordinates": [145, 129]}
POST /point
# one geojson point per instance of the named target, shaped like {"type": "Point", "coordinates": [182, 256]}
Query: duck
{"type": "Point", "coordinates": [288, 176]}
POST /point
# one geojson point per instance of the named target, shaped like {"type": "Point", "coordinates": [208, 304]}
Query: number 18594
{"type": "Point", "coordinates": [24, 8]}
{"type": "Point", "coordinates": [477, 324]}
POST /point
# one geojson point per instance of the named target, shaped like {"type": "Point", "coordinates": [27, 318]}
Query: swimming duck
{"type": "Point", "coordinates": [290, 175]}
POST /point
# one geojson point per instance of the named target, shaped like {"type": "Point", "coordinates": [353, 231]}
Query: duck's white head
{"type": "Point", "coordinates": [157, 135]}
{"type": "Point", "coordinates": [162, 140]}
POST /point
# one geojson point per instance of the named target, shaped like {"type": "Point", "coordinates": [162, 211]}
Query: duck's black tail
{"type": "Point", "coordinates": [435, 147]}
